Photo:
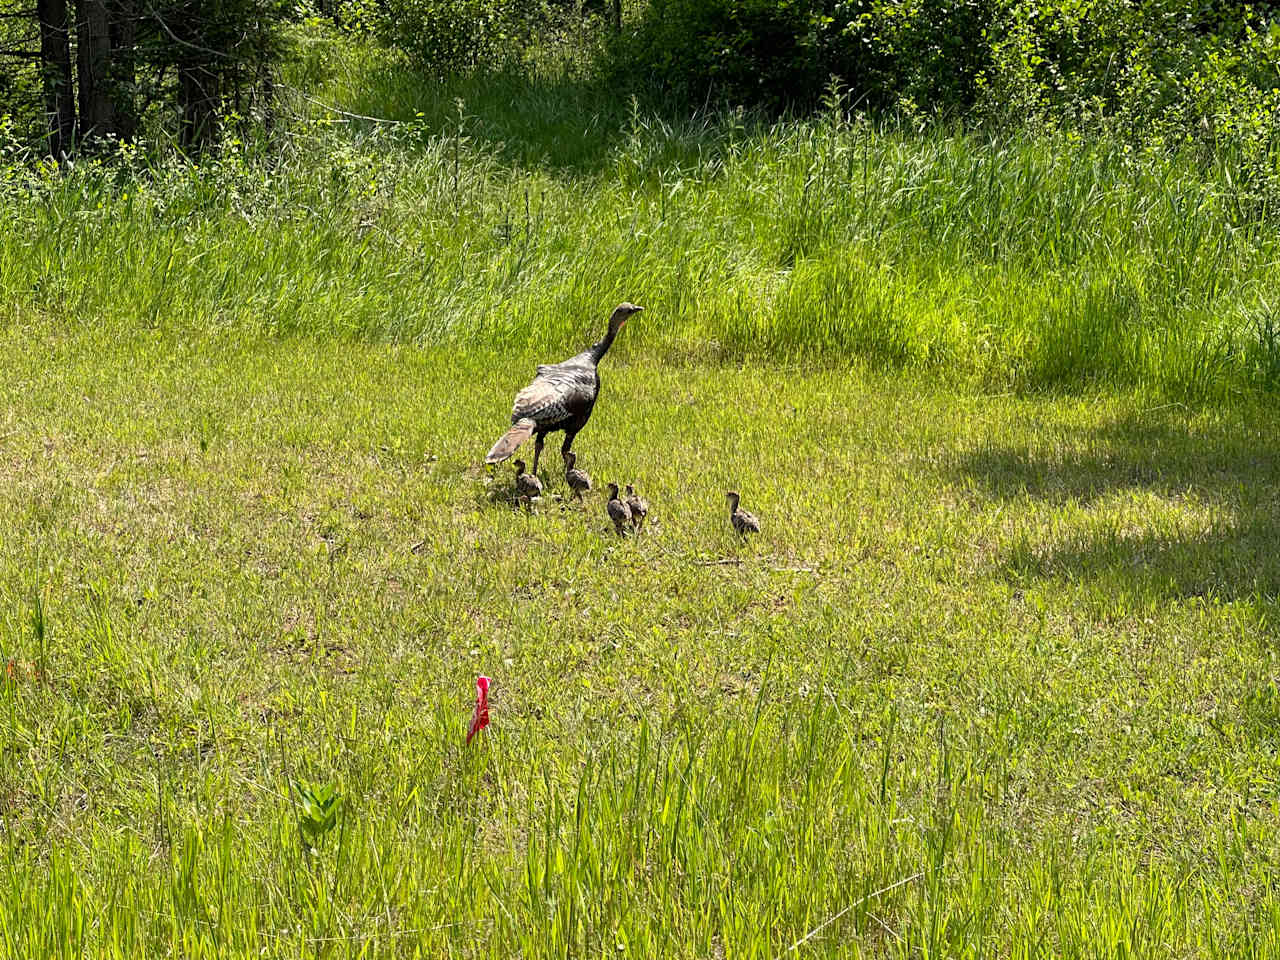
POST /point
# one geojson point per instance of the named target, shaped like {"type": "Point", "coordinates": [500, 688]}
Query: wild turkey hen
{"type": "Point", "coordinates": [561, 397]}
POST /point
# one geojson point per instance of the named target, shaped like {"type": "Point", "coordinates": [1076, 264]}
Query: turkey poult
{"type": "Point", "coordinates": [743, 522]}
{"type": "Point", "coordinates": [578, 480]}
{"type": "Point", "coordinates": [527, 485]}
{"type": "Point", "coordinates": [561, 397]}
{"type": "Point", "coordinates": [638, 506]}
{"type": "Point", "coordinates": [619, 512]}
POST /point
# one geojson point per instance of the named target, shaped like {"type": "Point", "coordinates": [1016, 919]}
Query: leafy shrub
{"type": "Point", "coordinates": [19, 82]}
{"type": "Point", "coordinates": [1161, 73]}
{"type": "Point", "coordinates": [784, 52]}
{"type": "Point", "coordinates": [1120, 56]}
{"type": "Point", "coordinates": [445, 37]}
{"type": "Point", "coordinates": [752, 51]}
{"type": "Point", "coordinates": [1137, 58]}
{"type": "Point", "coordinates": [1158, 73]}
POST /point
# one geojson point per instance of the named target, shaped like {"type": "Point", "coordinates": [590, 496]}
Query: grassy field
{"type": "Point", "coordinates": [1016, 656]}
{"type": "Point", "coordinates": [998, 678]}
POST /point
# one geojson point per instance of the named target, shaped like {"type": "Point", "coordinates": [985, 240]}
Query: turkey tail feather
{"type": "Point", "coordinates": [509, 441]}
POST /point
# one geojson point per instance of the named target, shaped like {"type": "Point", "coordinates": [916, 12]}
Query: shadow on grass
{"type": "Point", "coordinates": [1219, 537]}
{"type": "Point", "coordinates": [498, 490]}
{"type": "Point", "coordinates": [560, 122]}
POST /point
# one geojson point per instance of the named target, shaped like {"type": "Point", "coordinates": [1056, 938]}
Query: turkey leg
{"type": "Point", "coordinates": [537, 452]}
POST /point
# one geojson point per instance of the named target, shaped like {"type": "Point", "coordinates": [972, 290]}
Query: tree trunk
{"type": "Point", "coordinates": [55, 71]}
{"type": "Point", "coordinates": [617, 16]}
{"type": "Point", "coordinates": [198, 95]}
{"type": "Point", "coordinates": [123, 73]}
{"type": "Point", "coordinates": [93, 61]}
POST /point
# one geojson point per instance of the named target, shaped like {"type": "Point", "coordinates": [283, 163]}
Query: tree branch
{"type": "Point", "coordinates": [155, 14]}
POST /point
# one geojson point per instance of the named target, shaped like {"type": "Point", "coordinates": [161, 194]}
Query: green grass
{"type": "Point", "coordinates": [515, 212]}
{"type": "Point", "coordinates": [1016, 654]}
{"type": "Point", "coordinates": [999, 676]}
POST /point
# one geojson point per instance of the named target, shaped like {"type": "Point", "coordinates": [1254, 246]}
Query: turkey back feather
{"type": "Point", "coordinates": [544, 401]}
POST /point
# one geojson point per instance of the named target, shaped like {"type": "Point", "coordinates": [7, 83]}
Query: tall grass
{"type": "Point", "coordinates": [669, 843]}
{"type": "Point", "coordinates": [1021, 260]}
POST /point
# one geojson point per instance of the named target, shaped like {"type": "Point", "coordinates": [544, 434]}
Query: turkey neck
{"type": "Point", "coordinates": [600, 349]}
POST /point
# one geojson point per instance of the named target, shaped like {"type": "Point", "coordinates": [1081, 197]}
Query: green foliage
{"type": "Point", "coordinates": [1013, 261]}
{"type": "Point", "coordinates": [1160, 74]}
{"type": "Point", "coordinates": [1158, 71]}
{"type": "Point", "coordinates": [445, 37]}
{"type": "Point", "coordinates": [737, 51]}
{"type": "Point", "coordinates": [20, 94]}
{"type": "Point", "coordinates": [237, 37]}
{"type": "Point", "coordinates": [784, 52]}
{"type": "Point", "coordinates": [317, 807]}
{"type": "Point", "coordinates": [223, 52]}
{"type": "Point", "coordinates": [171, 71]}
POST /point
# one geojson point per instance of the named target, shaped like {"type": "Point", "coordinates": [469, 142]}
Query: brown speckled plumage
{"type": "Point", "coordinates": [638, 506]}
{"type": "Point", "coordinates": [561, 397]}
{"type": "Point", "coordinates": [618, 511]}
{"type": "Point", "coordinates": [527, 485]}
{"type": "Point", "coordinates": [743, 522]}
{"type": "Point", "coordinates": [579, 481]}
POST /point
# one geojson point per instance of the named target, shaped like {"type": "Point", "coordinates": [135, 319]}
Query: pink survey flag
{"type": "Point", "coordinates": [480, 715]}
